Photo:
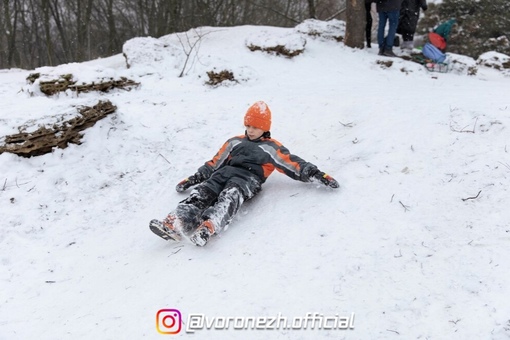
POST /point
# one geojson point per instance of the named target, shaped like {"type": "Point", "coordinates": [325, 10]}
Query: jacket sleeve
{"type": "Point", "coordinates": [291, 165]}
{"type": "Point", "coordinates": [219, 160]}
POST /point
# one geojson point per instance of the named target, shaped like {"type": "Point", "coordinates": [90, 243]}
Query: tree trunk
{"type": "Point", "coordinates": [47, 32]}
{"type": "Point", "coordinates": [355, 24]}
{"type": "Point", "coordinates": [311, 9]}
{"type": "Point", "coordinates": [11, 31]}
{"type": "Point", "coordinates": [82, 18]}
{"type": "Point", "coordinates": [112, 32]}
{"type": "Point", "coordinates": [65, 53]}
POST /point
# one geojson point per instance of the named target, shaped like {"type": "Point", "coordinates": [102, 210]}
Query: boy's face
{"type": "Point", "coordinates": [253, 132]}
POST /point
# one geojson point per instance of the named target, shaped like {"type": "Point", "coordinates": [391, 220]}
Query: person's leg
{"type": "Point", "coordinates": [217, 217]}
{"type": "Point", "coordinates": [226, 207]}
{"type": "Point", "coordinates": [186, 217]}
{"type": "Point", "coordinates": [368, 27]}
{"type": "Point", "coordinates": [392, 29]}
{"type": "Point", "coordinates": [407, 44]}
{"type": "Point", "coordinates": [380, 30]}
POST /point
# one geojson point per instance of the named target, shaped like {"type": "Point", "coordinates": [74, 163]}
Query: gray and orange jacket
{"type": "Point", "coordinates": [260, 157]}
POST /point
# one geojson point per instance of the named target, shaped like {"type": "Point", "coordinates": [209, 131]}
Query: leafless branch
{"type": "Point", "coordinates": [5, 185]}
{"type": "Point", "coordinates": [472, 198]}
{"type": "Point", "coordinates": [191, 46]}
{"type": "Point", "coordinates": [271, 9]}
{"type": "Point", "coordinates": [336, 13]}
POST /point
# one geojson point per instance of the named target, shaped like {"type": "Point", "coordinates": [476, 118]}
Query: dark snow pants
{"type": "Point", "coordinates": [217, 199]}
{"type": "Point", "coordinates": [368, 26]}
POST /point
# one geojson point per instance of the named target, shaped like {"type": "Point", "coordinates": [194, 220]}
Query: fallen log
{"type": "Point", "coordinates": [44, 139]}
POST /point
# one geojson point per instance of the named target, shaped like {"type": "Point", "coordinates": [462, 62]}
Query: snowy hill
{"type": "Point", "coordinates": [415, 243]}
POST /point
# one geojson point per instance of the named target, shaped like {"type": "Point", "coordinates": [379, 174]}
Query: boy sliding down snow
{"type": "Point", "coordinates": [234, 175]}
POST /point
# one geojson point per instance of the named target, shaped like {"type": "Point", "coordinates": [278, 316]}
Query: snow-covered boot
{"type": "Point", "coordinates": [201, 236]}
{"type": "Point", "coordinates": [407, 45]}
{"type": "Point", "coordinates": [166, 229]}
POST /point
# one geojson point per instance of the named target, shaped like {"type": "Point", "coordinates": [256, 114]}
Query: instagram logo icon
{"type": "Point", "coordinates": [168, 321]}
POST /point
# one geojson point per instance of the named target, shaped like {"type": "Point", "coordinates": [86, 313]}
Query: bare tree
{"type": "Point", "coordinates": [47, 31]}
{"type": "Point", "coordinates": [11, 24]}
{"type": "Point", "coordinates": [82, 24]}
{"type": "Point", "coordinates": [355, 24]}
{"type": "Point", "coordinates": [311, 9]}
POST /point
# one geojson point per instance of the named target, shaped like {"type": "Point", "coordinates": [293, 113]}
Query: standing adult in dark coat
{"type": "Point", "coordinates": [408, 20]}
{"type": "Point", "coordinates": [368, 27]}
{"type": "Point", "coordinates": [389, 11]}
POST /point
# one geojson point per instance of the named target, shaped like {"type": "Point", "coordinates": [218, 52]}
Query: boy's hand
{"type": "Point", "coordinates": [189, 182]}
{"type": "Point", "coordinates": [326, 179]}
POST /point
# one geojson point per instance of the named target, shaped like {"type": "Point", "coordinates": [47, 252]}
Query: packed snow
{"type": "Point", "coordinates": [414, 245]}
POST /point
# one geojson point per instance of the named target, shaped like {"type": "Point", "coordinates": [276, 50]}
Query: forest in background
{"type": "Point", "coordinates": [36, 33]}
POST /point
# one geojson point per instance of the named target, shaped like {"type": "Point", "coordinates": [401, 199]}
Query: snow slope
{"type": "Point", "coordinates": [400, 245]}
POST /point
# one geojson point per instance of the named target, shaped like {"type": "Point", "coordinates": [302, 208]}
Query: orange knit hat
{"type": "Point", "coordinates": [259, 116]}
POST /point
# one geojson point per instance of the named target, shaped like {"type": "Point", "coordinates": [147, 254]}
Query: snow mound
{"type": "Point", "coordinates": [292, 42]}
{"type": "Point", "coordinates": [333, 29]}
{"type": "Point", "coordinates": [495, 60]}
{"type": "Point", "coordinates": [154, 54]}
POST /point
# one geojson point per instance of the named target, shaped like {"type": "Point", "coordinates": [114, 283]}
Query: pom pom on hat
{"type": "Point", "coordinates": [259, 116]}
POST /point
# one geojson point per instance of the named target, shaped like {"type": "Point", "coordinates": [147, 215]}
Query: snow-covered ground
{"type": "Point", "coordinates": [404, 244]}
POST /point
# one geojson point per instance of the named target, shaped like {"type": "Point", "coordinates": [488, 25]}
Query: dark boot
{"type": "Point", "coordinates": [389, 53]}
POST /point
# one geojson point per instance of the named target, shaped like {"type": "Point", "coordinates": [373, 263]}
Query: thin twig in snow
{"type": "Point", "coordinates": [175, 252]}
{"type": "Point", "coordinates": [472, 198]}
{"type": "Point", "coordinates": [462, 130]}
{"type": "Point", "coordinates": [5, 185]}
{"type": "Point", "coordinates": [164, 158]}
{"type": "Point", "coordinates": [346, 125]}
{"type": "Point", "coordinates": [506, 165]}
{"type": "Point", "coordinates": [406, 207]}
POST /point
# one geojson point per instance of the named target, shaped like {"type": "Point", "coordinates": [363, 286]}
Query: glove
{"type": "Point", "coordinates": [326, 179]}
{"type": "Point", "coordinates": [189, 182]}
{"type": "Point", "coordinates": [424, 7]}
